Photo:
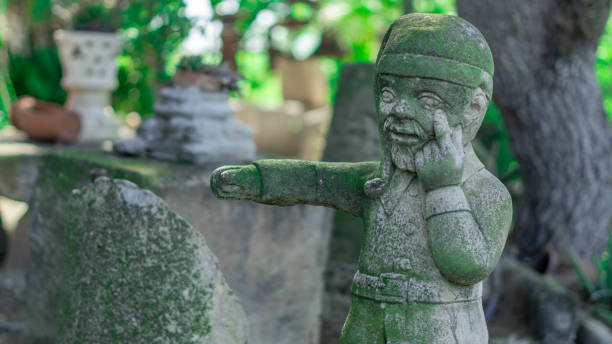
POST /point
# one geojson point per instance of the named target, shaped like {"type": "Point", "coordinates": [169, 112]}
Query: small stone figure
{"type": "Point", "coordinates": [435, 219]}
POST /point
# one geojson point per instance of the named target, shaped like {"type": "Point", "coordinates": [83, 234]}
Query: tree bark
{"type": "Point", "coordinates": [549, 97]}
{"type": "Point", "coordinates": [408, 6]}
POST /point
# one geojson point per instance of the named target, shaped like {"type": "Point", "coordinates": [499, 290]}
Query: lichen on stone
{"type": "Point", "coordinates": [135, 272]}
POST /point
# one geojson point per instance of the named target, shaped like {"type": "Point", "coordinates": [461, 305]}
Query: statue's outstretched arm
{"type": "Point", "coordinates": [289, 182]}
{"type": "Point", "coordinates": [468, 226]}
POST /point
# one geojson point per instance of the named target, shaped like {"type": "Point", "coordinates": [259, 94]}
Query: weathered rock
{"type": "Point", "coordinates": [12, 312]}
{"type": "Point", "coordinates": [58, 175]}
{"type": "Point", "coordinates": [352, 137]}
{"type": "Point", "coordinates": [593, 331]}
{"type": "Point", "coordinates": [552, 311]}
{"type": "Point", "coordinates": [18, 172]}
{"type": "Point", "coordinates": [191, 125]}
{"type": "Point", "coordinates": [272, 258]}
{"type": "Point", "coordinates": [137, 272]}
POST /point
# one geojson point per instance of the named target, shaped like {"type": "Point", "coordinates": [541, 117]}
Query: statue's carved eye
{"type": "Point", "coordinates": [388, 95]}
{"type": "Point", "coordinates": [430, 100]}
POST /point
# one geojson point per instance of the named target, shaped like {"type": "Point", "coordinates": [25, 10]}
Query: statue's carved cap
{"type": "Point", "coordinates": [437, 46]}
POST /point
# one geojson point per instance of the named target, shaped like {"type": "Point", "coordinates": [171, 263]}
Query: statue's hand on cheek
{"type": "Point", "coordinates": [236, 182]}
{"type": "Point", "coordinates": [440, 162]}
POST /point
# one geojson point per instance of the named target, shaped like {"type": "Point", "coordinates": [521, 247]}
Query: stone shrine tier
{"type": "Point", "coordinates": [193, 126]}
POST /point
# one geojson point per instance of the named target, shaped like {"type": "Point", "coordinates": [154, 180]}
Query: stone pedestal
{"type": "Point", "coordinates": [273, 258]}
{"type": "Point", "coordinates": [89, 76]}
{"type": "Point", "coordinates": [191, 126]}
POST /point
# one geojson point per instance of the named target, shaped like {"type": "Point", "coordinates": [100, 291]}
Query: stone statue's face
{"type": "Point", "coordinates": [406, 108]}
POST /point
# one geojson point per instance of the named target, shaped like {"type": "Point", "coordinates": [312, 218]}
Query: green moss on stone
{"type": "Point", "coordinates": [136, 272]}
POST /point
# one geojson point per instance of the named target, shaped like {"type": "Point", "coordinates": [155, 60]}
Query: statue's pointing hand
{"type": "Point", "coordinates": [440, 162]}
{"type": "Point", "coordinates": [236, 182]}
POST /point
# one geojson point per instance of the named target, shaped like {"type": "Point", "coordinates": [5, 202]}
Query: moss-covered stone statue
{"type": "Point", "coordinates": [436, 221]}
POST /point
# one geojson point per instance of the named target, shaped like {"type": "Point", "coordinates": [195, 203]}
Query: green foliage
{"type": "Point", "coordinates": [493, 137]}
{"type": "Point", "coordinates": [301, 11]}
{"type": "Point", "coordinates": [598, 289]}
{"type": "Point", "coordinates": [603, 67]}
{"type": "Point", "coordinates": [7, 93]}
{"type": "Point", "coordinates": [359, 31]}
{"type": "Point", "coordinates": [261, 85]}
{"type": "Point", "coordinates": [153, 31]}
{"type": "Point", "coordinates": [356, 25]}
{"type": "Point", "coordinates": [38, 74]}
{"type": "Point", "coordinates": [435, 6]}
{"type": "Point", "coordinates": [97, 16]}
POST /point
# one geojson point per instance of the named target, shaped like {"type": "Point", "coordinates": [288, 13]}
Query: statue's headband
{"type": "Point", "coordinates": [413, 65]}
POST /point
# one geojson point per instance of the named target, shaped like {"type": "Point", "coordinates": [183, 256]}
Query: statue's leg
{"type": "Point", "coordinates": [429, 323]}
{"type": "Point", "coordinates": [365, 323]}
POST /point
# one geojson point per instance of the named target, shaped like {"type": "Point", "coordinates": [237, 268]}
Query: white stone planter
{"type": "Point", "coordinates": [89, 77]}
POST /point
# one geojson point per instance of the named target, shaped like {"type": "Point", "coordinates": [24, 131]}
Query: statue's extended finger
{"type": "Point", "coordinates": [228, 176]}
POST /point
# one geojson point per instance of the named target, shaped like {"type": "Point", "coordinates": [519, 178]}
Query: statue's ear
{"type": "Point", "coordinates": [474, 114]}
{"type": "Point", "coordinates": [478, 105]}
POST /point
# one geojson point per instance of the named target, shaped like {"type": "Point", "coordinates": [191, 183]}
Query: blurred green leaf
{"type": "Point", "coordinates": [301, 11]}
{"type": "Point", "coordinates": [599, 289]}
{"type": "Point", "coordinates": [603, 67]}
{"type": "Point", "coordinates": [153, 31]}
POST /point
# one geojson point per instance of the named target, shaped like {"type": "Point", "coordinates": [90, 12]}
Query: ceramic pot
{"type": "Point", "coordinates": [43, 121]}
{"type": "Point", "coordinates": [89, 76]}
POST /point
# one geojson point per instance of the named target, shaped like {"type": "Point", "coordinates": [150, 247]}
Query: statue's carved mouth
{"type": "Point", "coordinates": [405, 131]}
{"type": "Point", "coordinates": [405, 138]}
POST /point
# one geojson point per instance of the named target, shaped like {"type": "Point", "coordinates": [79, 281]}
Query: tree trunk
{"type": "Point", "coordinates": [408, 6]}
{"type": "Point", "coordinates": [549, 97]}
